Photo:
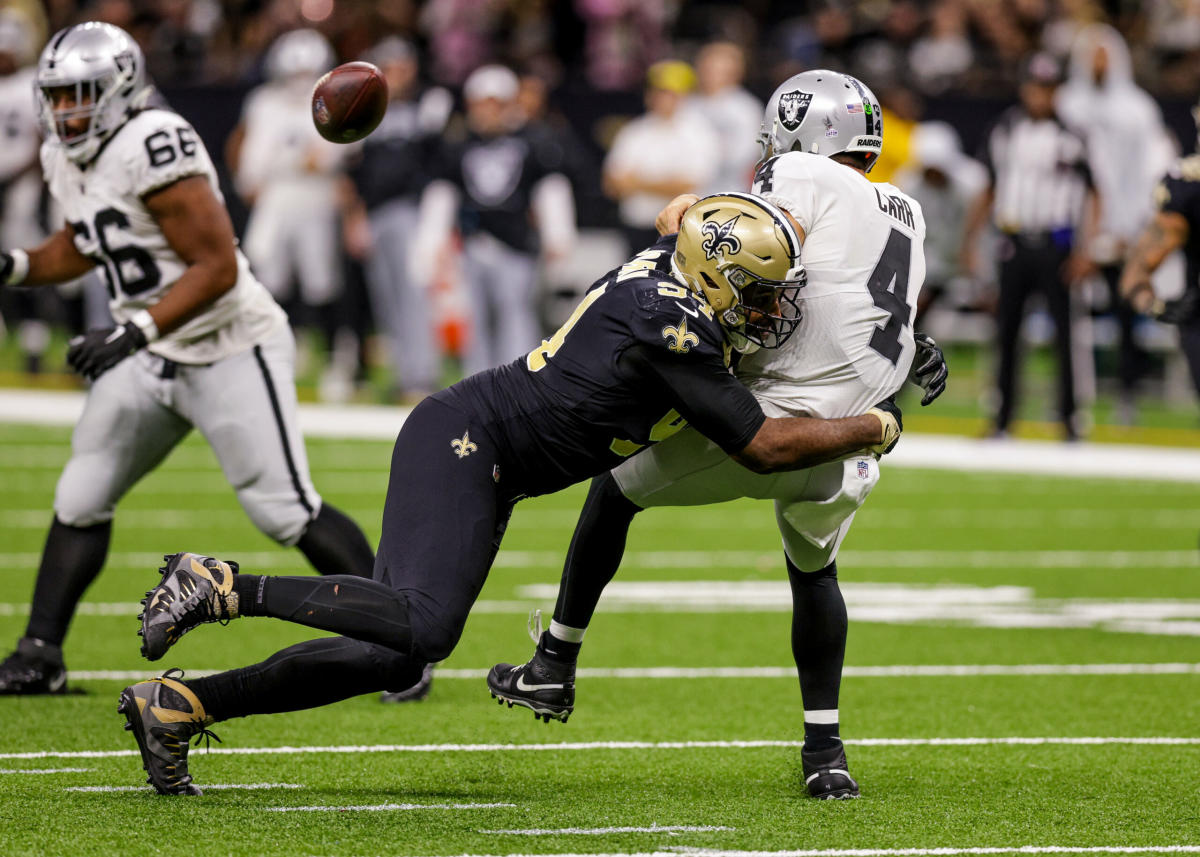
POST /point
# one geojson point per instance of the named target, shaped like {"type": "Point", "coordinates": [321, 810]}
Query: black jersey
{"type": "Point", "coordinates": [639, 358]}
{"type": "Point", "coordinates": [1180, 192]}
{"type": "Point", "coordinates": [496, 176]}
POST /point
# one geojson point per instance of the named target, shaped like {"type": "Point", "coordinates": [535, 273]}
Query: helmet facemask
{"type": "Point", "coordinates": [765, 312]}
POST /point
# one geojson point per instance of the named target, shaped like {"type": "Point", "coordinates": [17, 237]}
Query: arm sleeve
{"type": "Point", "coordinates": [164, 152]}
{"type": "Point", "coordinates": [704, 392]}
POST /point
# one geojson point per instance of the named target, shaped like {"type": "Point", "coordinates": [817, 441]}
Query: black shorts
{"type": "Point", "coordinates": [442, 523]}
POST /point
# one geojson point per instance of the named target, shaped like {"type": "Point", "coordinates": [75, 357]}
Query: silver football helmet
{"type": "Point", "coordinates": [105, 67]}
{"type": "Point", "coordinates": [822, 112]}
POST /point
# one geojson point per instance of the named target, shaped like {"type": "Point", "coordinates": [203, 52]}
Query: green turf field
{"type": "Point", "coordinates": [985, 611]}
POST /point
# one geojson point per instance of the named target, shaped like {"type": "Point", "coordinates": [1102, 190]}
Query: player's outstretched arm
{"type": "Point", "coordinates": [56, 260]}
{"type": "Point", "coordinates": [793, 443]}
{"type": "Point", "coordinates": [1165, 234]}
{"type": "Point", "coordinates": [668, 220]}
{"type": "Point", "coordinates": [197, 226]}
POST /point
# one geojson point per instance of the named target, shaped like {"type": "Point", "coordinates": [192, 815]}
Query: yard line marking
{"type": "Point", "coordinates": [888, 671]}
{"type": "Point", "coordinates": [207, 786]}
{"type": "Point", "coordinates": [600, 831]}
{"type": "Point", "coordinates": [390, 807]}
{"type": "Point", "coordinates": [355, 749]}
{"type": "Point", "coordinates": [45, 770]}
{"type": "Point", "coordinates": [675, 851]}
{"type": "Point", "coordinates": [934, 452]}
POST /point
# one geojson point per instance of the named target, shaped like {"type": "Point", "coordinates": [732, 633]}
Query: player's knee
{"type": "Point", "coordinates": [434, 641]}
{"type": "Point", "coordinates": [81, 506]}
{"type": "Point", "coordinates": [283, 519]}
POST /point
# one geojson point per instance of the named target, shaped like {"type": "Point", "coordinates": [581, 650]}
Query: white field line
{"type": "Point", "coordinates": [357, 749]}
{"type": "Point", "coordinates": [676, 851]}
{"type": "Point", "coordinates": [701, 519]}
{"type": "Point", "coordinates": [46, 770]}
{"type": "Point", "coordinates": [938, 452]}
{"type": "Point", "coordinates": [896, 671]}
{"type": "Point", "coordinates": [733, 560]}
{"type": "Point", "coordinates": [602, 831]}
{"type": "Point", "coordinates": [207, 786]}
{"type": "Point", "coordinates": [390, 807]}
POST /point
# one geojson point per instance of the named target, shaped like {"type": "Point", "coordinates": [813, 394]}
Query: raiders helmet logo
{"type": "Point", "coordinates": [792, 108]}
{"type": "Point", "coordinates": [719, 237]}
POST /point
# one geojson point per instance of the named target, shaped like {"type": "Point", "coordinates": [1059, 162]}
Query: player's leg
{"type": "Point", "coordinates": [684, 470]}
{"type": "Point", "coordinates": [123, 433]}
{"type": "Point", "coordinates": [245, 406]}
{"type": "Point", "coordinates": [1058, 301]}
{"type": "Point", "coordinates": [814, 518]}
{"type": "Point", "coordinates": [1189, 343]}
{"type": "Point", "coordinates": [515, 291]}
{"type": "Point", "coordinates": [1010, 311]}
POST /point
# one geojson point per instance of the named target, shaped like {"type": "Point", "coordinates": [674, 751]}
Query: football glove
{"type": "Point", "coordinates": [929, 370]}
{"type": "Point", "coordinates": [97, 351]}
{"type": "Point", "coordinates": [6, 266]}
{"type": "Point", "coordinates": [893, 424]}
{"type": "Point", "coordinates": [1178, 311]}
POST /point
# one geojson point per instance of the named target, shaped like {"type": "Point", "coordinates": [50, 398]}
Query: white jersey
{"type": "Point", "coordinates": [103, 203]}
{"type": "Point", "coordinates": [865, 263]}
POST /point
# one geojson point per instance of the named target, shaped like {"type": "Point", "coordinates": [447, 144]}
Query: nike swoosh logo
{"type": "Point", "coordinates": [521, 685]}
{"type": "Point", "coordinates": [59, 683]}
{"type": "Point", "coordinates": [688, 310]}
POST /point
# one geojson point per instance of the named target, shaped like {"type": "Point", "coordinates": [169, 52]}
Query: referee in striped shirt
{"type": "Point", "coordinates": [1043, 201]}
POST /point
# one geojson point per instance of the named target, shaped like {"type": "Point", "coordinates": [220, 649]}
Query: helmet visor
{"type": "Point", "coordinates": [71, 109]}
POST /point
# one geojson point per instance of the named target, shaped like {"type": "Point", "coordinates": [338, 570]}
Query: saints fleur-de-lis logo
{"type": "Point", "coordinates": [680, 339]}
{"type": "Point", "coordinates": [463, 446]}
{"type": "Point", "coordinates": [718, 237]}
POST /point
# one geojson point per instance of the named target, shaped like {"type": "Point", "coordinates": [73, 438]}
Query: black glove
{"type": "Point", "coordinates": [6, 267]}
{"type": "Point", "coordinates": [929, 370]}
{"type": "Point", "coordinates": [893, 424]}
{"type": "Point", "coordinates": [97, 351]}
{"type": "Point", "coordinates": [1179, 311]}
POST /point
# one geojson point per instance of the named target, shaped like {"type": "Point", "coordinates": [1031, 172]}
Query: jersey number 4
{"type": "Point", "coordinates": [892, 268]}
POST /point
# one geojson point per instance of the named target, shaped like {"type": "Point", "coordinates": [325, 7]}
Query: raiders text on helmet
{"type": "Point", "coordinates": [822, 112]}
{"type": "Point", "coordinates": [105, 68]}
{"type": "Point", "coordinates": [742, 255]}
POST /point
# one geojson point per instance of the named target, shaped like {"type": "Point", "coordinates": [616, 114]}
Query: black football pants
{"type": "Point", "coordinates": [443, 519]}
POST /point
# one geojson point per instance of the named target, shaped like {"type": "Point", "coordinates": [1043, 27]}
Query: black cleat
{"type": "Point", "coordinates": [416, 693]}
{"type": "Point", "coordinates": [36, 667]}
{"type": "Point", "coordinates": [163, 714]}
{"type": "Point", "coordinates": [826, 774]}
{"type": "Point", "coordinates": [545, 687]}
{"type": "Point", "coordinates": [194, 589]}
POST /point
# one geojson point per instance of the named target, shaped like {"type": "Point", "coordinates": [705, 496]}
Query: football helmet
{"type": "Point", "coordinates": [822, 112]}
{"type": "Point", "coordinates": [742, 255]}
{"type": "Point", "coordinates": [108, 72]}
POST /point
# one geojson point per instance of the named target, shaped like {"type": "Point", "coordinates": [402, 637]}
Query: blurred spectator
{"type": "Point", "coordinates": [392, 169]}
{"type": "Point", "coordinates": [1130, 151]}
{"type": "Point", "coordinates": [901, 109]}
{"type": "Point", "coordinates": [657, 156]}
{"type": "Point", "coordinates": [734, 114]}
{"type": "Point", "coordinates": [939, 59]}
{"type": "Point", "coordinates": [946, 183]}
{"type": "Point", "coordinates": [507, 191]}
{"type": "Point", "coordinates": [621, 39]}
{"type": "Point", "coordinates": [461, 36]}
{"type": "Point", "coordinates": [288, 175]}
{"type": "Point", "coordinates": [1042, 197]}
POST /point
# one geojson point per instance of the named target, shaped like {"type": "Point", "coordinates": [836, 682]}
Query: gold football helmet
{"type": "Point", "coordinates": [742, 255]}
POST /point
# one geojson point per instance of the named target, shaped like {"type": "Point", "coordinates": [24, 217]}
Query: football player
{"type": "Point", "coordinates": [646, 350]}
{"type": "Point", "coordinates": [198, 341]}
{"type": "Point", "coordinates": [862, 249]}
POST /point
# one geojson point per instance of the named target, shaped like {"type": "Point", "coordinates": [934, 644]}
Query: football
{"type": "Point", "coordinates": [349, 102]}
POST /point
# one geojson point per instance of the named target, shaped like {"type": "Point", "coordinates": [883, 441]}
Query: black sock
{"type": "Point", "coordinates": [595, 553]}
{"type": "Point", "coordinates": [351, 606]}
{"type": "Point", "coordinates": [71, 559]}
{"type": "Point", "coordinates": [334, 544]}
{"type": "Point", "coordinates": [818, 634]}
{"type": "Point", "coordinates": [307, 675]}
{"type": "Point", "coordinates": [820, 736]}
{"type": "Point", "coordinates": [558, 650]}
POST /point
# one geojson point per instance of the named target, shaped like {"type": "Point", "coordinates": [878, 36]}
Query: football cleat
{"type": "Point", "coordinates": [163, 715]}
{"type": "Point", "coordinates": [826, 774]}
{"type": "Point", "coordinates": [35, 667]}
{"type": "Point", "coordinates": [194, 589]}
{"type": "Point", "coordinates": [545, 687]}
{"type": "Point", "coordinates": [416, 693]}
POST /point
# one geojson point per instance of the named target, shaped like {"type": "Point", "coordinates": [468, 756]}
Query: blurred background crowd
{"type": "Point", "coordinates": [530, 143]}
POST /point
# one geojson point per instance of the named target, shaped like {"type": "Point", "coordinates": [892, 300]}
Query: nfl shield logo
{"type": "Point", "coordinates": [864, 470]}
{"type": "Point", "coordinates": [792, 108]}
